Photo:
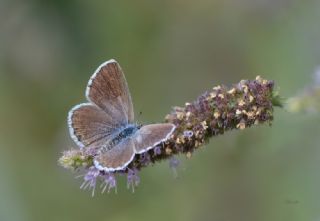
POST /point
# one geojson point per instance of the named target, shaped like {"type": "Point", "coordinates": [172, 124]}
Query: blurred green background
{"type": "Point", "coordinates": [171, 52]}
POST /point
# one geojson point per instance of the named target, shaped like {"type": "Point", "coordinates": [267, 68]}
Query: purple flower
{"type": "Point", "coordinates": [157, 150]}
{"type": "Point", "coordinates": [91, 151]}
{"type": "Point", "coordinates": [132, 178]}
{"type": "Point", "coordinates": [109, 182]}
{"type": "Point", "coordinates": [188, 133]}
{"type": "Point", "coordinates": [145, 159]}
{"type": "Point", "coordinates": [174, 164]}
{"type": "Point", "coordinates": [90, 179]}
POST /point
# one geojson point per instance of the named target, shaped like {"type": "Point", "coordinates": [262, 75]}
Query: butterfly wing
{"type": "Point", "coordinates": [92, 124]}
{"type": "Point", "coordinates": [108, 89]}
{"type": "Point", "coordinates": [116, 158]}
{"type": "Point", "coordinates": [151, 135]}
{"type": "Point", "coordinates": [89, 126]}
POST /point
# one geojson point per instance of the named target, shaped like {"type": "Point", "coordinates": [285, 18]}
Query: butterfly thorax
{"type": "Point", "coordinates": [121, 134]}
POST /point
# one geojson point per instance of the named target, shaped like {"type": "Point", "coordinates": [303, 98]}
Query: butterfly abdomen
{"type": "Point", "coordinates": [122, 134]}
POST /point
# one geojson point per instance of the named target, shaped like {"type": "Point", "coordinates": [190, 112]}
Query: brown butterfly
{"type": "Point", "coordinates": [106, 123]}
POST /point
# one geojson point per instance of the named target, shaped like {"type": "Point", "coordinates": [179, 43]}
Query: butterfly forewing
{"type": "Point", "coordinates": [117, 157]}
{"type": "Point", "coordinates": [151, 135]}
{"type": "Point", "coordinates": [89, 125]}
{"type": "Point", "coordinates": [108, 89]}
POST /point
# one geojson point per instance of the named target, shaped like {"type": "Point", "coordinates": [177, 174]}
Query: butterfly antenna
{"type": "Point", "coordinates": [138, 118]}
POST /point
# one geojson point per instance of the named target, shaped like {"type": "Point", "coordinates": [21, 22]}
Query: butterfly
{"type": "Point", "coordinates": [106, 123]}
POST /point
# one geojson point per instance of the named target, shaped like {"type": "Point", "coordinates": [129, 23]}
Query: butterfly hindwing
{"type": "Point", "coordinates": [151, 135]}
{"type": "Point", "coordinates": [117, 157]}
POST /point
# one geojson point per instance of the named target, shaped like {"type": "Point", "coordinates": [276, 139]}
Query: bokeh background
{"type": "Point", "coordinates": [171, 52]}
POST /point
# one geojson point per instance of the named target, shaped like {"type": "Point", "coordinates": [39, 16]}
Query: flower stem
{"type": "Point", "coordinates": [248, 103]}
